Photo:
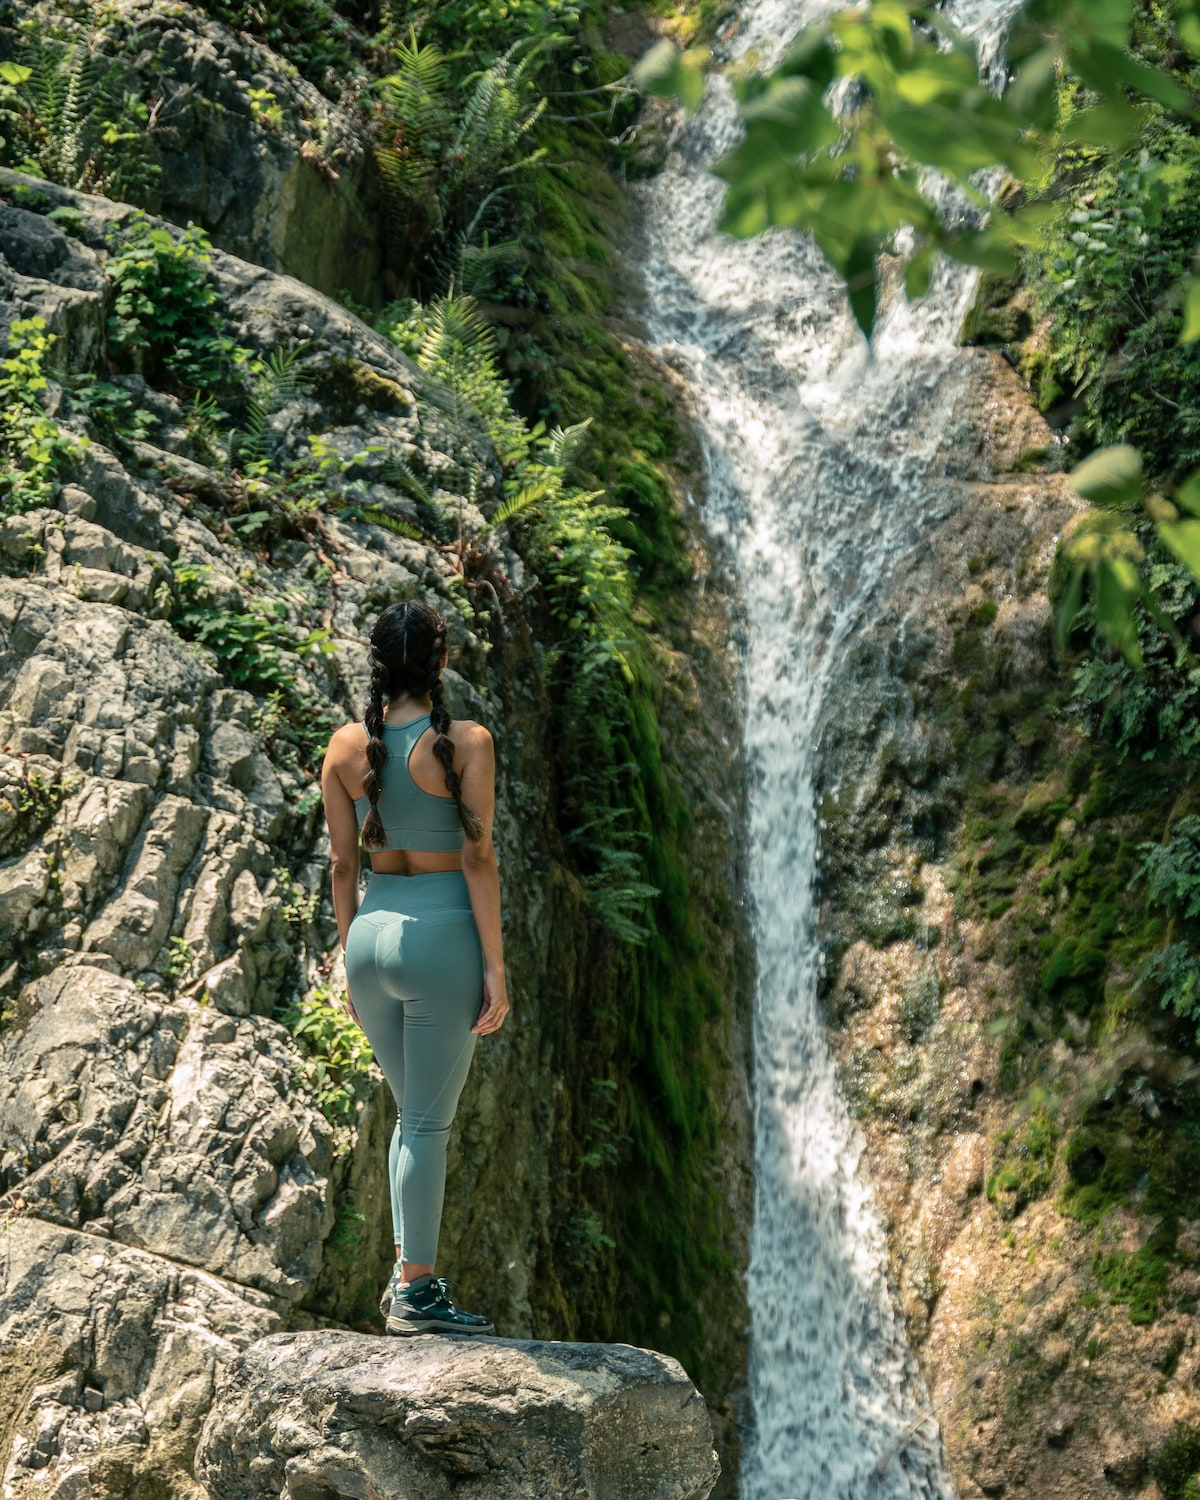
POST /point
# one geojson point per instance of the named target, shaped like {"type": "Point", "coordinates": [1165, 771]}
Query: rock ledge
{"type": "Point", "coordinates": [317, 1415]}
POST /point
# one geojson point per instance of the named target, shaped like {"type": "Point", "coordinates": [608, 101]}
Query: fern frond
{"type": "Point", "coordinates": [563, 441]}
{"type": "Point", "coordinates": [379, 517]}
{"type": "Point", "coordinates": [525, 499]}
{"type": "Point", "coordinates": [278, 383]}
{"type": "Point", "coordinates": [459, 338]}
{"type": "Point", "coordinates": [396, 472]}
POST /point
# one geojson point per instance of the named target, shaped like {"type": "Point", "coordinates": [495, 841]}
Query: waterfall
{"type": "Point", "coordinates": [818, 456]}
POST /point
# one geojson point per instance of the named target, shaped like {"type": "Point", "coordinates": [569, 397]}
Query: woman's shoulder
{"type": "Point", "coordinates": [472, 741]}
{"type": "Point", "coordinates": [348, 737]}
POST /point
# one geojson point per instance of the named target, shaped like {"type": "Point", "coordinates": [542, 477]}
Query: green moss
{"type": "Point", "coordinates": [1177, 1462]}
{"type": "Point", "coordinates": [1025, 1164]}
{"type": "Point", "coordinates": [1137, 1278]}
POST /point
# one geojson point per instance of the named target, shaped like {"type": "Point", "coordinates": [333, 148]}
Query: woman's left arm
{"type": "Point", "coordinates": [343, 835]}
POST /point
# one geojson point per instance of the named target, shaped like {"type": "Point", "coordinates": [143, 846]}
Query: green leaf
{"type": "Point", "coordinates": [958, 142]}
{"type": "Point", "coordinates": [1187, 496]}
{"type": "Point", "coordinates": [1191, 311]}
{"type": "Point", "coordinates": [980, 247]}
{"type": "Point", "coordinates": [918, 273]}
{"type": "Point", "coordinates": [949, 75]}
{"type": "Point", "coordinates": [810, 56]}
{"type": "Point", "coordinates": [1033, 93]}
{"type": "Point", "coordinates": [15, 73]}
{"type": "Point", "coordinates": [1117, 589]}
{"type": "Point", "coordinates": [1112, 476]}
{"type": "Point", "coordinates": [1187, 28]}
{"type": "Point", "coordinates": [1183, 538]}
{"type": "Point", "coordinates": [790, 115]}
{"type": "Point", "coordinates": [669, 73]}
{"type": "Point", "coordinates": [1114, 124]}
{"type": "Point", "coordinates": [1068, 606]}
{"type": "Point", "coordinates": [1110, 69]}
{"type": "Point", "coordinates": [656, 71]}
{"type": "Point", "coordinates": [860, 283]}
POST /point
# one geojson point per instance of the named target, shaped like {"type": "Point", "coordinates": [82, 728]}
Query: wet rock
{"type": "Point", "coordinates": [335, 1414]}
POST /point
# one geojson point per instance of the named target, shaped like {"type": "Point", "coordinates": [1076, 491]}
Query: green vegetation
{"type": "Point", "coordinates": [335, 1053]}
{"type": "Point", "coordinates": [33, 446]}
{"type": "Point", "coordinates": [164, 321]}
{"type": "Point", "coordinates": [1091, 88]}
{"type": "Point", "coordinates": [68, 114]}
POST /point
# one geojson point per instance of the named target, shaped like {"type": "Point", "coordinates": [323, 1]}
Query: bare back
{"type": "Point", "coordinates": [346, 771]}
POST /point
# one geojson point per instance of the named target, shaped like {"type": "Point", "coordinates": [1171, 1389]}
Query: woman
{"type": "Point", "coordinates": [424, 963]}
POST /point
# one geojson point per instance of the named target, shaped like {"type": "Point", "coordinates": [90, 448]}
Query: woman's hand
{"type": "Point", "coordinates": [495, 1004]}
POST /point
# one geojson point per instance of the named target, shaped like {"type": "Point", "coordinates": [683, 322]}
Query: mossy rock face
{"type": "Point", "coordinates": [1025, 1164]}
{"type": "Point", "coordinates": [1001, 314]}
{"type": "Point", "coordinates": [1176, 1465]}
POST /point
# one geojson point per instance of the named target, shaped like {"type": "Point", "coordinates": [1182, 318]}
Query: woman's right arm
{"type": "Point", "coordinates": [343, 834]}
{"type": "Point", "coordinates": [477, 777]}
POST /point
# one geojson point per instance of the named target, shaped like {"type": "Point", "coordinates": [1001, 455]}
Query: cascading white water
{"type": "Point", "coordinates": [817, 454]}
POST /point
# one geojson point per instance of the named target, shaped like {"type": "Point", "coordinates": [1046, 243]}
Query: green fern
{"type": "Point", "coordinates": [274, 384]}
{"type": "Point", "coordinates": [444, 167]}
{"type": "Point", "coordinates": [69, 115]}
{"type": "Point", "coordinates": [377, 516]}
{"type": "Point", "coordinates": [396, 472]}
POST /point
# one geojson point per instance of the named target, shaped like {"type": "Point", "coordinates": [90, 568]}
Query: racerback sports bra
{"type": "Point", "coordinates": [412, 817]}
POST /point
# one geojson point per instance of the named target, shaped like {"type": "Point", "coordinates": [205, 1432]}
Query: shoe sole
{"type": "Point", "coordinates": [406, 1327]}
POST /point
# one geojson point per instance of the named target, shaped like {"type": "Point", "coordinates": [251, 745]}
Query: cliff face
{"type": "Point", "coordinates": [1027, 1155]}
{"type": "Point", "coordinates": [192, 1155]}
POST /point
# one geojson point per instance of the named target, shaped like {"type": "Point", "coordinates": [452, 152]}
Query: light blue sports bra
{"type": "Point", "coordinates": [412, 818]}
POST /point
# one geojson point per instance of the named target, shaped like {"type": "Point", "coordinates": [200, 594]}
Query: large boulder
{"type": "Point", "coordinates": [312, 1416]}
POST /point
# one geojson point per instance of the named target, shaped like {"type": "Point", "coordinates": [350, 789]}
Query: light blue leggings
{"type": "Point", "coordinates": [414, 966]}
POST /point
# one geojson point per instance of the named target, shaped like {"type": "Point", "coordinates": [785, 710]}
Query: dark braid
{"type": "Point", "coordinates": [373, 831]}
{"type": "Point", "coordinates": [443, 748]}
{"type": "Point", "coordinates": [407, 644]}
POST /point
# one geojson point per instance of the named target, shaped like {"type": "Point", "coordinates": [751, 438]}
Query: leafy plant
{"type": "Point", "coordinates": [449, 167]}
{"type": "Point", "coordinates": [252, 647]}
{"type": "Point", "coordinates": [165, 309]}
{"type": "Point", "coordinates": [1174, 972]}
{"type": "Point", "coordinates": [32, 445]}
{"type": "Point", "coordinates": [336, 1054]}
{"type": "Point", "coordinates": [69, 117]}
{"type": "Point", "coordinates": [1173, 869]}
{"type": "Point", "coordinates": [300, 906]}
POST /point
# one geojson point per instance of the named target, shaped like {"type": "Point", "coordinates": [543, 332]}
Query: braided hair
{"type": "Point", "coordinates": [407, 644]}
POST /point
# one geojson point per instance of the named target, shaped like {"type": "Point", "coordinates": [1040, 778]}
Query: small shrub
{"type": "Point", "coordinates": [336, 1054]}
{"type": "Point", "coordinates": [165, 315]}
{"type": "Point", "coordinates": [32, 445]}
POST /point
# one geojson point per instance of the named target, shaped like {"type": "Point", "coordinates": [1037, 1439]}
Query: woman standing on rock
{"type": "Point", "coordinates": [424, 964]}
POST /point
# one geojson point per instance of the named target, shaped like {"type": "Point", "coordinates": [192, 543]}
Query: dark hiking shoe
{"type": "Point", "coordinates": [389, 1291]}
{"type": "Point", "coordinates": [427, 1307]}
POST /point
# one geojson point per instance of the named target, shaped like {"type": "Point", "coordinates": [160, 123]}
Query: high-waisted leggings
{"type": "Point", "coordinates": [414, 966]}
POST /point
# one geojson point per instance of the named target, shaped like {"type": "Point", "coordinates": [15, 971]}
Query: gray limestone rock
{"type": "Point", "coordinates": [176, 1129]}
{"type": "Point", "coordinates": [169, 1190]}
{"type": "Point", "coordinates": [108, 1358]}
{"type": "Point", "coordinates": [329, 1414]}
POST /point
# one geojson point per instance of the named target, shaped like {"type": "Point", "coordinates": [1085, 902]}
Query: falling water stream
{"type": "Point", "coordinates": [818, 457]}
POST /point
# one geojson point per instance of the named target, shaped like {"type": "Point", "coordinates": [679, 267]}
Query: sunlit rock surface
{"type": "Point", "coordinates": [330, 1414]}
